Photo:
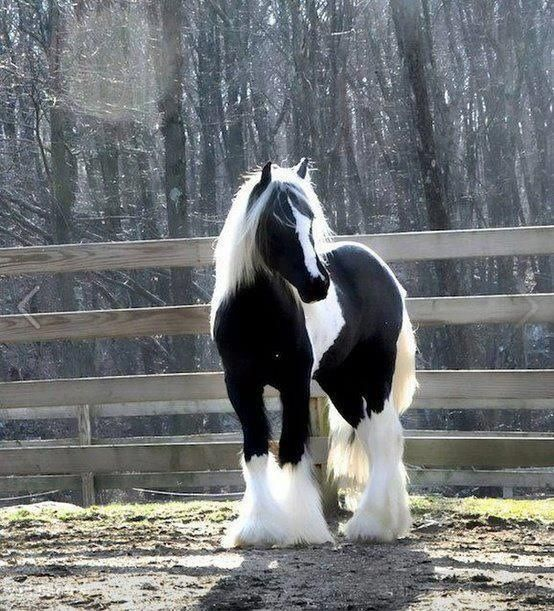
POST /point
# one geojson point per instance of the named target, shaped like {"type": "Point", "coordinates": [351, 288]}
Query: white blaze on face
{"type": "Point", "coordinates": [303, 226]}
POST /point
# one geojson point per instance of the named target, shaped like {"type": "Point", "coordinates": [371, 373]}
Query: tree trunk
{"type": "Point", "coordinates": [170, 104]}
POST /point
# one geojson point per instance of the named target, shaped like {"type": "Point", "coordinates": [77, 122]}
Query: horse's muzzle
{"type": "Point", "coordinates": [316, 290]}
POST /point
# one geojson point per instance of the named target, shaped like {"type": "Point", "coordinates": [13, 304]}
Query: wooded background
{"type": "Point", "coordinates": [129, 120]}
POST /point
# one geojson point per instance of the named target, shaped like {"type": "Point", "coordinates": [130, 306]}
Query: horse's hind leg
{"type": "Point", "coordinates": [298, 492]}
{"type": "Point", "coordinates": [383, 511]}
{"type": "Point", "coordinates": [261, 521]}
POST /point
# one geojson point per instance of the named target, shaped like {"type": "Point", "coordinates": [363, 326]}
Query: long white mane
{"type": "Point", "coordinates": [237, 259]}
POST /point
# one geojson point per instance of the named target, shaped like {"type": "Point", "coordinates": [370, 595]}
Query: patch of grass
{"type": "Point", "coordinates": [538, 510]}
{"type": "Point", "coordinates": [22, 516]}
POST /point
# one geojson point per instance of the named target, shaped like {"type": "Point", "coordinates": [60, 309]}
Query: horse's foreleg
{"type": "Point", "coordinates": [297, 491]}
{"type": "Point", "coordinates": [383, 512]}
{"type": "Point", "coordinates": [261, 521]}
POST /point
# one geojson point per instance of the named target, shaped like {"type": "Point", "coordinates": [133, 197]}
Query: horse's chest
{"type": "Point", "coordinates": [324, 321]}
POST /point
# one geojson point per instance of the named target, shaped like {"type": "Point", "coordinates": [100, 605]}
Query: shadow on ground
{"type": "Point", "coordinates": [339, 577]}
{"type": "Point", "coordinates": [168, 557]}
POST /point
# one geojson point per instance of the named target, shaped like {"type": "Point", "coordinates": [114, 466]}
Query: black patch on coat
{"type": "Point", "coordinates": [261, 336]}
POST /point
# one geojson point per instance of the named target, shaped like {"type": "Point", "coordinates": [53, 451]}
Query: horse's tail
{"type": "Point", "coordinates": [404, 383]}
{"type": "Point", "coordinates": [347, 461]}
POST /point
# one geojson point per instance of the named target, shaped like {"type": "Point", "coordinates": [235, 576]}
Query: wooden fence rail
{"type": "Point", "coordinates": [424, 451]}
{"type": "Point", "coordinates": [462, 384]}
{"type": "Point", "coordinates": [198, 252]}
{"type": "Point", "coordinates": [234, 437]}
{"type": "Point", "coordinates": [194, 319]}
{"type": "Point", "coordinates": [223, 406]}
{"type": "Point", "coordinates": [9, 485]}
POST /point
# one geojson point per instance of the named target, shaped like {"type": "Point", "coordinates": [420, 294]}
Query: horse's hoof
{"type": "Point", "coordinates": [251, 532]}
{"type": "Point", "coordinates": [314, 538]}
{"type": "Point", "coordinates": [365, 526]}
{"type": "Point", "coordinates": [404, 524]}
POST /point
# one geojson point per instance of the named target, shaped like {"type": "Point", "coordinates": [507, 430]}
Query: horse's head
{"type": "Point", "coordinates": [285, 233]}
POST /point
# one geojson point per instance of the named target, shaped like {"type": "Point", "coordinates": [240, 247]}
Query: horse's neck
{"type": "Point", "coordinates": [279, 289]}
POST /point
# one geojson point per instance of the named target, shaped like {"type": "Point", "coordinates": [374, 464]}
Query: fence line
{"type": "Point", "coordinates": [198, 252]}
{"type": "Point", "coordinates": [460, 384]}
{"type": "Point", "coordinates": [223, 406]}
{"type": "Point", "coordinates": [237, 437]}
{"type": "Point", "coordinates": [195, 319]}
{"type": "Point", "coordinates": [424, 451]}
{"type": "Point", "coordinates": [524, 478]}
{"type": "Point", "coordinates": [209, 461]}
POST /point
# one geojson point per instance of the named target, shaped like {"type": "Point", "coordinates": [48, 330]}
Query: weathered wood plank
{"type": "Point", "coordinates": [479, 452]}
{"type": "Point", "coordinates": [463, 384]}
{"type": "Point", "coordinates": [459, 244]}
{"type": "Point", "coordinates": [430, 451]}
{"type": "Point", "coordinates": [84, 430]}
{"type": "Point", "coordinates": [222, 406]}
{"type": "Point", "coordinates": [137, 322]}
{"type": "Point", "coordinates": [198, 252]}
{"type": "Point", "coordinates": [34, 484]}
{"type": "Point", "coordinates": [39, 443]}
{"type": "Point", "coordinates": [185, 252]}
{"type": "Point", "coordinates": [516, 309]}
{"type": "Point", "coordinates": [161, 481]}
{"type": "Point", "coordinates": [119, 458]}
{"type": "Point", "coordinates": [237, 437]}
{"type": "Point", "coordinates": [525, 478]}
{"type": "Point", "coordinates": [171, 387]}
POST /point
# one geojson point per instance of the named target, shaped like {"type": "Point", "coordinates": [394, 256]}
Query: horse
{"type": "Point", "coordinates": [290, 305]}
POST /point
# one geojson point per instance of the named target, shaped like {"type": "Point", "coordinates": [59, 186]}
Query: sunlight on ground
{"type": "Point", "coordinates": [472, 553]}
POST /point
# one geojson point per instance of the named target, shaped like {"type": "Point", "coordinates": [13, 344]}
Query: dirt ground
{"type": "Point", "coordinates": [462, 554]}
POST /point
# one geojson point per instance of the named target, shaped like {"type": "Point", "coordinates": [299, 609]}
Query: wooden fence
{"type": "Point", "coordinates": [467, 459]}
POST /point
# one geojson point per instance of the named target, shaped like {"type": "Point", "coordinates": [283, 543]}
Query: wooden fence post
{"type": "Point", "coordinates": [85, 439]}
{"type": "Point", "coordinates": [319, 423]}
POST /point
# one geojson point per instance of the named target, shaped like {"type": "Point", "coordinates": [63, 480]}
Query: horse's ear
{"type": "Point", "coordinates": [302, 167]}
{"type": "Point", "coordinates": [266, 176]}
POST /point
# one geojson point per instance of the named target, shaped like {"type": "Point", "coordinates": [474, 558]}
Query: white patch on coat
{"type": "Point", "coordinates": [324, 321]}
{"type": "Point", "coordinates": [303, 227]}
{"type": "Point", "coordinates": [299, 498]}
{"type": "Point", "coordinates": [261, 520]}
{"type": "Point", "coordinates": [383, 512]}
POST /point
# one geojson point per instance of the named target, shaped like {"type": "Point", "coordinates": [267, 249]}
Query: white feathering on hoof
{"type": "Point", "coordinates": [299, 499]}
{"type": "Point", "coordinates": [348, 462]}
{"type": "Point", "coordinates": [261, 521]}
{"type": "Point", "coordinates": [383, 512]}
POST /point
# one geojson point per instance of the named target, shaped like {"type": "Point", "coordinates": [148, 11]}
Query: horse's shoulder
{"type": "Point", "coordinates": [260, 306]}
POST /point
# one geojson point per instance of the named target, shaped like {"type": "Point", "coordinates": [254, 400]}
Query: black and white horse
{"type": "Point", "coordinates": [289, 306]}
